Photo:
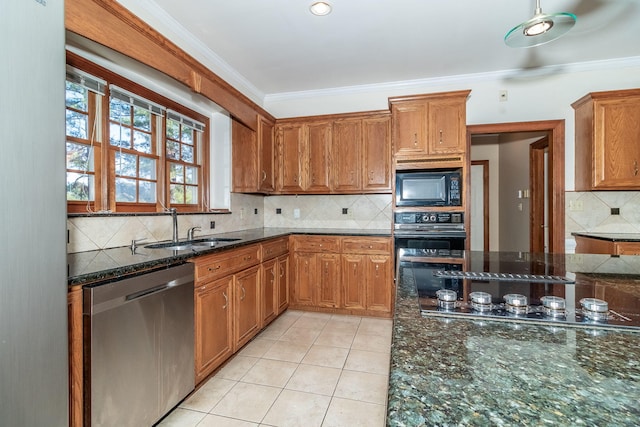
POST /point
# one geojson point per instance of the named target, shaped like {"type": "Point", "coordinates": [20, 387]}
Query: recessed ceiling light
{"type": "Point", "coordinates": [320, 8]}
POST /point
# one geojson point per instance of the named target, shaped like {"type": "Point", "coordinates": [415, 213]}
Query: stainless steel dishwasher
{"type": "Point", "coordinates": [138, 354]}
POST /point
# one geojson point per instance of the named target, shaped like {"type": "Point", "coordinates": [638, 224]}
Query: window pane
{"type": "Point", "coordinates": [119, 136]}
{"type": "Point", "coordinates": [77, 124]}
{"type": "Point", "coordinates": [177, 193]}
{"type": "Point", "coordinates": [173, 150]}
{"type": "Point", "coordinates": [120, 111]}
{"type": "Point", "coordinates": [187, 135]}
{"type": "Point", "coordinates": [147, 192]}
{"type": "Point", "coordinates": [126, 164]}
{"type": "Point", "coordinates": [147, 168]}
{"type": "Point", "coordinates": [142, 142]}
{"type": "Point", "coordinates": [80, 187]}
{"type": "Point", "coordinates": [187, 153]}
{"type": "Point", "coordinates": [191, 195]}
{"type": "Point", "coordinates": [142, 118]}
{"type": "Point", "coordinates": [173, 129]}
{"type": "Point", "coordinates": [79, 157]}
{"type": "Point", "coordinates": [125, 190]}
{"type": "Point", "coordinates": [176, 172]}
{"type": "Point", "coordinates": [191, 175]}
{"type": "Point", "coordinates": [76, 96]}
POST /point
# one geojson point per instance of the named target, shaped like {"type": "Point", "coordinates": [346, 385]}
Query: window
{"type": "Point", "coordinates": [151, 158]}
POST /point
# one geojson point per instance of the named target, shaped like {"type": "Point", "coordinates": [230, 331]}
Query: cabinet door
{"type": "Point", "coordinates": [328, 280]}
{"type": "Point", "coordinates": [74, 313]}
{"type": "Point", "coordinates": [246, 310]}
{"type": "Point", "coordinates": [376, 154]}
{"type": "Point", "coordinates": [354, 273]}
{"type": "Point", "coordinates": [304, 277]}
{"type": "Point", "coordinates": [318, 137]}
{"type": "Point", "coordinates": [291, 153]}
{"type": "Point", "coordinates": [445, 124]}
{"type": "Point", "coordinates": [379, 283]}
{"type": "Point", "coordinates": [244, 158]}
{"type": "Point", "coordinates": [213, 326]}
{"type": "Point", "coordinates": [409, 124]}
{"type": "Point", "coordinates": [267, 156]}
{"type": "Point", "coordinates": [269, 284]}
{"type": "Point", "coordinates": [283, 284]}
{"type": "Point", "coordinates": [346, 152]}
{"type": "Point", "coordinates": [617, 147]}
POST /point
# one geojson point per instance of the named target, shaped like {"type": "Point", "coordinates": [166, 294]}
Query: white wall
{"type": "Point", "coordinates": [545, 94]}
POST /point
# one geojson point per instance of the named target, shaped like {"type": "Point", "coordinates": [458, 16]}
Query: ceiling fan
{"type": "Point", "coordinates": [540, 29]}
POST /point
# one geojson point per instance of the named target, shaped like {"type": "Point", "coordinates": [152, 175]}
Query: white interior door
{"type": "Point", "coordinates": [477, 208]}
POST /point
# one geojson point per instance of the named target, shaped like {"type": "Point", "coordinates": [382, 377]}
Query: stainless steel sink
{"type": "Point", "coordinates": [191, 244]}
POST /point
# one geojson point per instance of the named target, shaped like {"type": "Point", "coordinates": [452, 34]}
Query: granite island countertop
{"type": "Point", "coordinates": [611, 237]}
{"type": "Point", "coordinates": [458, 372]}
{"type": "Point", "coordinates": [99, 266]}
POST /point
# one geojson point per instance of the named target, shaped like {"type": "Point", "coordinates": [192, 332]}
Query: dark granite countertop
{"type": "Point", "coordinates": [100, 266]}
{"type": "Point", "coordinates": [458, 372]}
{"type": "Point", "coordinates": [612, 237]}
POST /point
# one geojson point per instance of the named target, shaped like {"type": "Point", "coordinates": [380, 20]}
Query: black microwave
{"type": "Point", "coordinates": [433, 187]}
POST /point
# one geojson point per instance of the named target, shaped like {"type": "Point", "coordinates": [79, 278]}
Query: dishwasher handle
{"type": "Point", "coordinates": [146, 292]}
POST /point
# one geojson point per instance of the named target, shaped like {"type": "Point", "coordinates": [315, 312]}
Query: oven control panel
{"type": "Point", "coordinates": [429, 218]}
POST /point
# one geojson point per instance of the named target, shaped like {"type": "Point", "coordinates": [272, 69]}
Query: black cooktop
{"type": "Point", "coordinates": [569, 290]}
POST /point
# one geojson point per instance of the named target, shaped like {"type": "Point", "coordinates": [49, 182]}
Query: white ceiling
{"type": "Point", "coordinates": [267, 47]}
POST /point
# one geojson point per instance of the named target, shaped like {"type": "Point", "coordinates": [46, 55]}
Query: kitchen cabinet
{"type": "Point", "coordinates": [275, 279]}
{"type": "Point", "coordinates": [351, 275]}
{"type": "Point", "coordinates": [367, 273]}
{"type": "Point", "coordinates": [227, 309]}
{"type": "Point", "coordinates": [267, 156]}
{"type": "Point", "coordinates": [337, 154]}
{"type": "Point", "coordinates": [213, 326]}
{"type": "Point", "coordinates": [361, 152]}
{"type": "Point", "coordinates": [74, 311]}
{"type": "Point", "coordinates": [591, 245]}
{"type": "Point", "coordinates": [429, 126]}
{"type": "Point", "coordinates": [244, 158]}
{"type": "Point", "coordinates": [607, 128]}
{"type": "Point", "coordinates": [246, 308]}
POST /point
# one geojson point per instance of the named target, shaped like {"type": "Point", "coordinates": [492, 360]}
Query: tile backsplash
{"type": "Point", "coordinates": [592, 212]}
{"type": "Point", "coordinates": [363, 212]}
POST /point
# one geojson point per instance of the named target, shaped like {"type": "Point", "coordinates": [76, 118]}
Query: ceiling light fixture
{"type": "Point", "coordinates": [320, 8]}
{"type": "Point", "coordinates": [540, 29]}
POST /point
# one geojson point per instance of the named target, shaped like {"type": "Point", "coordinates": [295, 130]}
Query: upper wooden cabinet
{"type": "Point", "coordinates": [427, 126]}
{"type": "Point", "coordinates": [361, 153]}
{"type": "Point", "coordinates": [607, 140]}
{"type": "Point", "coordinates": [253, 157]}
{"type": "Point", "coordinates": [339, 154]}
{"type": "Point", "coordinates": [244, 158]}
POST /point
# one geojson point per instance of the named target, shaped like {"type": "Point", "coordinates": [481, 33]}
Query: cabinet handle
{"type": "Point", "coordinates": [247, 258]}
{"type": "Point", "coordinates": [415, 139]}
{"type": "Point", "coordinates": [281, 271]}
{"type": "Point", "coordinates": [440, 136]}
{"type": "Point", "coordinates": [264, 176]}
{"type": "Point", "coordinates": [635, 168]}
{"type": "Point", "coordinates": [244, 293]}
{"type": "Point", "coordinates": [226, 300]}
{"type": "Point", "coordinates": [217, 267]}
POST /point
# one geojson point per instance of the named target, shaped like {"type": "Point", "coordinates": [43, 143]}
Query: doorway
{"type": "Point", "coordinates": [545, 190]}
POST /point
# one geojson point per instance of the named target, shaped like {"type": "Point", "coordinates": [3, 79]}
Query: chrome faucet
{"type": "Point", "coordinates": [191, 231]}
{"type": "Point", "coordinates": [174, 216]}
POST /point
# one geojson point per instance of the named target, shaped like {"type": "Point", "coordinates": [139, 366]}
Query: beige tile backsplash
{"type": "Point", "coordinates": [591, 211]}
{"type": "Point", "coordinates": [364, 212]}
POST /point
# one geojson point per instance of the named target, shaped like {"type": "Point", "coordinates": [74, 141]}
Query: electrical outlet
{"type": "Point", "coordinates": [296, 213]}
{"type": "Point", "coordinates": [345, 211]}
{"type": "Point", "coordinates": [615, 211]}
{"type": "Point", "coordinates": [241, 213]}
{"type": "Point", "coordinates": [212, 225]}
{"type": "Point", "coordinates": [278, 211]}
{"type": "Point", "coordinates": [575, 205]}
{"type": "Point", "coordinates": [503, 95]}
{"type": "Point", "coordinates": [255, 211]}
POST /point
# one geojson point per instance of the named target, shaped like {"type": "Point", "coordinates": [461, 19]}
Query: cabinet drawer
{"type": "Point", "coordinates": [222, 264]}
{"type": "Point", "coordinates": [316, 244]}
{"type": "Point", "coordinates": [275, 248]}
{"type": "Point", "coordinates": [628, 248]}
{"type": "Point", "coordinates": [367, 245]}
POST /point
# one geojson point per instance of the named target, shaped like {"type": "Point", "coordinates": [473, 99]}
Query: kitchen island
{"type": "Point", "coordinates": [452, 371]}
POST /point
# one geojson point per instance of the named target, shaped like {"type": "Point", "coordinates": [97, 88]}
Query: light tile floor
{"type": "Point", "coordinates": [305, 369]}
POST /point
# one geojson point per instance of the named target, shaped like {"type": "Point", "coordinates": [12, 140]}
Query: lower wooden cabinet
{"type": "Point", "coordinates": [246, 307]}
{"type": "Point", "coordinates": [590, 245]}
{"type": "Point", "coordinates": [282, 299]}
{"type": "Point", "coordinates": [351, 275]}
{"type": "Point", "coordinates": [213, 326]}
